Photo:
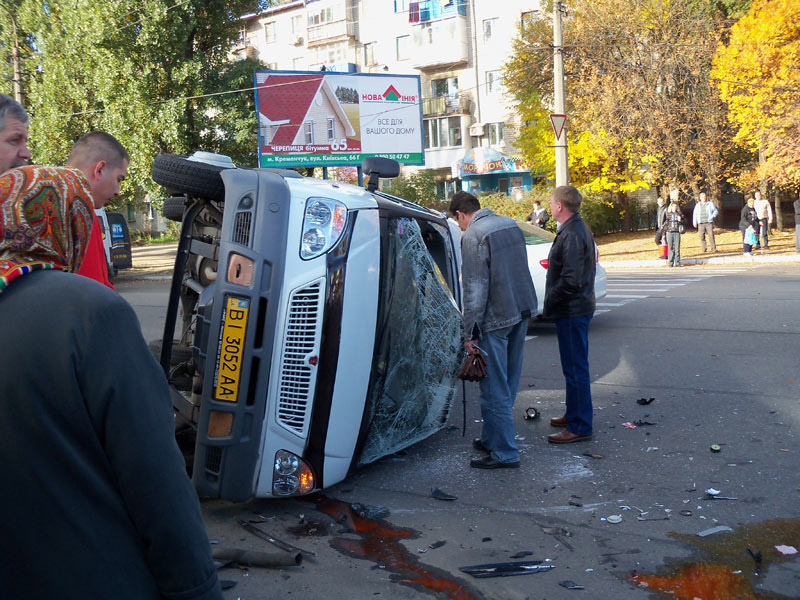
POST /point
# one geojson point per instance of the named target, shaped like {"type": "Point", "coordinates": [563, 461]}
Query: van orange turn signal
{"type": "Point", "coordinates": [240, 270]}
{"type": "Point", "coordinates": [220, 424]}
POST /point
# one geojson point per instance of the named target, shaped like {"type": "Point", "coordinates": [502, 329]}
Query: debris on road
{"type": "Point", "coordinates": [436, 545]}
{"type": "Point", "coordinates": [272, 540]}
{"type": "Point", "coordinates": [252, 558]}
{"type": "Point", "coordinates": [614, 519]}
{"type": "Point", "coordinates": [506, 569]}
{"type": "Point", "coordinates": [713, 530]}
{"type": "Point", "coordinates": [531, 413]}
{"type": "Point", "coordinates": [715, 448]}
{"type": "Point", "coordinates": [522, 554]}
{"type": "Point", "coordinates": [570, 585]}
{"type": "Point", "coordinates": [438, 494]}
{"type": "Point", "coordinates": [629, 425]}
{"type": "Point", "coordinates": [786, 550]}
{"type": "Point", "coordinates": [644, 401]}
{"type": "Point", "coordinates": [370, 511]}
{"type": "Point", "coordinates": [590, 455]}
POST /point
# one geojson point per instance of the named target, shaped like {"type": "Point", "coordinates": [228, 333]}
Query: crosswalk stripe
{"type": "Point", "coordinates": [626, 296]}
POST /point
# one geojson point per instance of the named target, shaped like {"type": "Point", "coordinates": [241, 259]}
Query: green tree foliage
{"type": "Point", "coordinates": [146, 71]}
{"type": "Point", "coordinates": [419, 187]}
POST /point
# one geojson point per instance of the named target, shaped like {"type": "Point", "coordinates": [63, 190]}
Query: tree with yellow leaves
{"type": "Point", "coordinates": [758, 75]}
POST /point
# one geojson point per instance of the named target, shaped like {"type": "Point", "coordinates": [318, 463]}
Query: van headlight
{"type": "Point", "coordinates": [323, 224]}
{"type": "Point", "coordinates": [291, 475]}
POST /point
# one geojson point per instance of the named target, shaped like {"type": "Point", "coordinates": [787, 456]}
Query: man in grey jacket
{"type": "Point", "coordinates": [498, 301]}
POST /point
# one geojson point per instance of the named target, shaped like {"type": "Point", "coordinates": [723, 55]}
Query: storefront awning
{"type": "Point", "coordinates": [486, 161]}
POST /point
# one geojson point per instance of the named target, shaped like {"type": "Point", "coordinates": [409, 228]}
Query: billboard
{"type": "Point", "coordinates": [313, 119]}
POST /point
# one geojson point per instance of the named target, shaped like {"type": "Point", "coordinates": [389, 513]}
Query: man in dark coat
{"type": "Point", "coordinates": [569, 300]}
{"type": "Point", "coordinates": [95, 498]}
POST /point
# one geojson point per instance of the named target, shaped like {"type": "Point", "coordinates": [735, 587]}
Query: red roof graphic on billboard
{"type": "Point", "coordinates": [290, 97]}
{"type": "Point", "coordinates": [391, 94]}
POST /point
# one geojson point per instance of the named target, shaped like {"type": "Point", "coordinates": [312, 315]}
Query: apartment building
{"type": "Point", "coordinates": [457, 47]}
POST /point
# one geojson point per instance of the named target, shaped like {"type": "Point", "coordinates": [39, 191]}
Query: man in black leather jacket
{"type": "Point", "coordinates": [569, 300]}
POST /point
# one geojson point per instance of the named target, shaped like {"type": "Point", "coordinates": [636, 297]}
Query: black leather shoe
{"type": "Point", "coordinates": [487, 462]}
{"type": "Point", "coordinates": [478, 445]}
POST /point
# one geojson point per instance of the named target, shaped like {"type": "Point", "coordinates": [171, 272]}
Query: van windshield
{"type": "Point", "coordinates": [418, 347]}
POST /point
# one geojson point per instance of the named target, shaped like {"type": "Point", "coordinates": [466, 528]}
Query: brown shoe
{"type": "Point", "coordinates": [566, 437]}
{"type": "Point", "coordinates": [559, 421]}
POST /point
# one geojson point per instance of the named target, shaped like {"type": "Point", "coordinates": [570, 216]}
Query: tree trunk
{"type": "Point", "coordinates": [778, 211]}
{"type": "Point", "coordinates": [625, 204]}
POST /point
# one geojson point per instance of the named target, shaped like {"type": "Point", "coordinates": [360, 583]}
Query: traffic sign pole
{"type": "Point", "coordinates": [562, 158]}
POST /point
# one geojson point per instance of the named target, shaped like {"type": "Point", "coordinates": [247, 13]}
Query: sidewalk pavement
{"type": "Point", "coordinates": [738, 259]}
{"type": "Point", "coordinates": [157, 261]}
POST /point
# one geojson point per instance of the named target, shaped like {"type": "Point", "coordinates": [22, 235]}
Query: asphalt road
{"type": "Point", "coordinates": [718, 350]}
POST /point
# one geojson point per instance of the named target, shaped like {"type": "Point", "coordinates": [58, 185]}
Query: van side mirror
{"type": "Point", "coordinates": [376, 167]}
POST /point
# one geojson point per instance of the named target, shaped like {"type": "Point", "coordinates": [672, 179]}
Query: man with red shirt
{"type": "Point", "coordinates": [104, 163]}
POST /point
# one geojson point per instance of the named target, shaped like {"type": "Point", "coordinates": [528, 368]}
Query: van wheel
{"type": "Point", "coordinates": [173, 208]}
{"type": "Point", "coordinates": [178, 174]}
{"type": "Point", "coordinates": [180, 353]}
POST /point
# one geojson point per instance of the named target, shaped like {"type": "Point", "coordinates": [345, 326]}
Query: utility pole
{"type": "Point", "coordinates": [17, 81]}
{"type": "Point", "coordinates": [562, 158]}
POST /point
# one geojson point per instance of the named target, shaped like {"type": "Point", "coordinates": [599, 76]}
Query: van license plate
{"type": "Point", "coordinates": [231, 348]}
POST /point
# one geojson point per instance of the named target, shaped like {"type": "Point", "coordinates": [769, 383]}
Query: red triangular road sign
{"type": "Point", "coordinates": [558, 122]}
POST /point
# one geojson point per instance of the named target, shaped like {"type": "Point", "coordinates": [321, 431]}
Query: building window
{"type": "Point", "coordinates": [528, 17]}
{"type": "Point", "coordinates": [489, 28]}
{"type": "Point", "coordinates": [331, 129]}
{"type": "Point", "coordinates": [269, 31]}
{"type": "Point", "coordinates": [400, 6]}
{"type": "Point", "coordinates": [494, 82]}
{"type": "Point", "coordinates": [243, 34]}
{"type": "Point", "coordinates": [496, 133]}
{"type": "Point", "coordinates": [331, 53]}
{"type": "Point", "coordinates": [309, 130]}
{"type": "Point", "coordinates": [442, 132]}
{"type": "Point", "coordinates": [403, 46]}
{"type": "Point", "coordinates": [444, 87]}
{"type": "Point", "coordinates": [323, 15]}
{"type": "Point", "coordinates": [297, 25]}
{"type": "Point", "coordinates": [369, 54]}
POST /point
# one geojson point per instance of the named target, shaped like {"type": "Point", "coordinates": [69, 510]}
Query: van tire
{"type": "Point", "coordinates": [173, 208]}
{"type": "Point", "coordinates": [178, 174]}
{"type": "Point", "coordinates": [180, 354]}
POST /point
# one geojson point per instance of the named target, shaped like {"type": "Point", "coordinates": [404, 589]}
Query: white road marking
{"type": "Point", "coordinates": [627, 295]}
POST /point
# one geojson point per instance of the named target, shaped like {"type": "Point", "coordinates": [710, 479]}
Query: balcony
{"type": "Point", "coordinates": [447, 105]}
{"type": "Point", "coordinates": [334, 30]}
{"type": "Point", "coordinates": [439, 44]}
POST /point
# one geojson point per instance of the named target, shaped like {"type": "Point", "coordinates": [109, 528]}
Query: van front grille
{"type": "Point", "coordinates": [241, 228]}
{"type": "Point", "coordinates": [294, 396]}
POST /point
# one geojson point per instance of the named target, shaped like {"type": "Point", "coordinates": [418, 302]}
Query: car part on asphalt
{"type": "Point", "coordinates": [531, 413]}
{"type": "Point", "coordinates": [252, 558]}
{"type": "Point", "coordinates": [713, 530]}
{"type": "Point", "coordinates": [614, 519]}
{"type": "Point", "coordinates": [644, 401]}
{"type": "Point", "coordinates": [440, 495]}
{"type": "Point", "coordinates": [570, 585]}
{"type": "Point", "coordinates": [272, 540]}
{"type": "Point", "coordinates": [506, 569]}
{"type": "Point", "coordinates": [715, 448]}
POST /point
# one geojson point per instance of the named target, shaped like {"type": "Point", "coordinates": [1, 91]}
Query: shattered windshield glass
{"type": "Point", "coordinates": [418, 352]}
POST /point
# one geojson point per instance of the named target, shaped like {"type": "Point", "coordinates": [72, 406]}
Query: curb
{"type": "Point", "coordinates": [716, 260]}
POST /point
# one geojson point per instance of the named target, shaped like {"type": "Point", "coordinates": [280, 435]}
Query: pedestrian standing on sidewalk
{"type": "Point", "coordinates": [748, 225]}
{"type": "Point", "coordinates": [96, 502]}
{"type": "Point", "coordinates": [569, 299]}
{"type": "Point", "coordinates": [764, 212]}
{"type": "Point", "coordinates": [498, 301]}
{"type": "Point", "coordinates": [703, 218]}
{"type": "Point", "coordinates": [661, 215]}
{"type": "Point", "coordinates": [674, 227]}
{"type": "Point", "coordinates": [797, 224]}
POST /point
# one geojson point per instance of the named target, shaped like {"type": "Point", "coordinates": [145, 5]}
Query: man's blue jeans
{"type": "Point", "coordinates": [573, 345]}
{"type": "Point", "coordinates": [504, 352]}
